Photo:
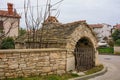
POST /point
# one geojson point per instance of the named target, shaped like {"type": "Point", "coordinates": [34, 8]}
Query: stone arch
{"type": "Point", "coordinates": [79, 33]}
{"type": "Point", "coordinates": [84, 42]}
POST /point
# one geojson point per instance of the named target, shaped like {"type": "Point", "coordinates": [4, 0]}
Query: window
{"type": "Point", "coordinates": [1, 26]}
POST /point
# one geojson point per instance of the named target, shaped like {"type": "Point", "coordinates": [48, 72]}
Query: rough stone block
{"type": "Point", "coordinates": [61, 67]}
{"type": "Point", "coordinates": [44, 54]}
{"type": "Point", "coordinates": [40, 64]}
{"type": "Point", "coordinates": [4, 59]}
{"type": "Point", "coordinates": [46, 69]}
{"type": "Point", "coordinates": [54, 56]}
{"type": "Point", "coordinates": [22, 65]}
{"type": "Point", "coordinates": [70, 63]}
{"type": "Point", "coordinates": [2, 74]}
{"type": "Point", "coordinates": [60, 72]}
{"type": "Point", "coordinates": [2, 55]}
{"type": "Point", "coordinates": [3, 66]}
{"type": "Point", "coordinates": [13, 66]}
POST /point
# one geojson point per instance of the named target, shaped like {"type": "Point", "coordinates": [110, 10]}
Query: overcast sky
{"type": "Point", "coordinates": [93, 11]}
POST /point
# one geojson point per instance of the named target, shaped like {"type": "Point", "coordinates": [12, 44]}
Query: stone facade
{"type": "Point", "coordinates": [63, 36]}
{"type": "Point", "coordinates": [30, 62]}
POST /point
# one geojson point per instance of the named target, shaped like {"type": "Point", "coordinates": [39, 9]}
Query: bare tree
{"type": "Point", "coordinates": [33, 22]}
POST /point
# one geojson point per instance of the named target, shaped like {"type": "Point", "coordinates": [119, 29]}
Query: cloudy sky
{"type": "Point", "coordinates": [93, 11]}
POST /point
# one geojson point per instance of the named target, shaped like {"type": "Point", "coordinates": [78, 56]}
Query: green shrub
{"type": "Point", "coordinates": [116, 35]}
{"type": "Point", "coordinates": [7, 43]}
{"type": "Point", "coordinates": [106, 50]}
{"type": "Point", "coordinates": [117, 42]}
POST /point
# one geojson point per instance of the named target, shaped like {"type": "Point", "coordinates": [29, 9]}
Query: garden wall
{"type": "Point", "coordinates": [30, 62]}
{"type": "Point", "coordinates": [116, 49]}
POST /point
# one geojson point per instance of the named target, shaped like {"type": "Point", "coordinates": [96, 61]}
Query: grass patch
{"type": "Point", "coordinates": [106, 50]}
{"type": "Point", "coordinates": [94, 70]}
{"type": "Point", "coordinates": [49, 77]}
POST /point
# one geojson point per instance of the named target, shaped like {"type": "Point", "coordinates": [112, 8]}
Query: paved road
{"type": "Point", "coordinates": [113, 64]}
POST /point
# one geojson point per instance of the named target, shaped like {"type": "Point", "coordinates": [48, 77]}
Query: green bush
{"type": "Point", "coordinates": [7, 43]}
{"type": "Point", "coordinates": [106, 50]}
{"type": "Point", "coordinates": [117, 42]}
{"type": "Point", "coordinates": [116, 35]}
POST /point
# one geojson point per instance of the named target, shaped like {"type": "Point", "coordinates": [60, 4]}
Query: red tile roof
{"type": "Point", "coordinates": [6, 14]}
{"type": "Point", "coordinates": [96, 25]}
{"type": "Point", "coordinates": [117, 26]}
{"type": "Point", "coordinates": [51, 19]}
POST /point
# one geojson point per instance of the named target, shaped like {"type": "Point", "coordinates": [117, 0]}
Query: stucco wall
{"type": "Point", "coordinates": [104, 31]}
{"type": "Point", "coordinates": [27, 62]}
{"type": "Point", "coordinates": [11, 24]}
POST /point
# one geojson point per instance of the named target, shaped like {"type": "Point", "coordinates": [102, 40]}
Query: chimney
{"type": "Point", "coordinates": [10, 8]}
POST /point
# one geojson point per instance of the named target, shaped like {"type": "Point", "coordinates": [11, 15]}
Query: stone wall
{"type": "Point", "coordinates": [116, 49]}
{"type": "Point", "coordinates": [30, 62]}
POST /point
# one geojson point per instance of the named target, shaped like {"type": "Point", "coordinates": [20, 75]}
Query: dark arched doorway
{"type": "Point", "coordinates": [84, 55]}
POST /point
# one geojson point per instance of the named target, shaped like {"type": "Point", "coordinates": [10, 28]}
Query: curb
{"type": "Point", "coordinates": [91, 75]}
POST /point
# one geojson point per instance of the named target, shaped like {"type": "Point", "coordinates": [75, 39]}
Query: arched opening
{"type": "Point", "coordinates": [84, 55]}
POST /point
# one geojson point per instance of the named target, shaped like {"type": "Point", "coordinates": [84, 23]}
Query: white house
{"type": "Point", "coordinates": [102, 30]}
{"type": "Point", "coordinates": [9, 21]}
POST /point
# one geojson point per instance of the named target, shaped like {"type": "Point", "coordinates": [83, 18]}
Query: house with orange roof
{"type": "Point", "coordinates": [117, 26]}
{"type": "Point", "coordinates": [9, 21]}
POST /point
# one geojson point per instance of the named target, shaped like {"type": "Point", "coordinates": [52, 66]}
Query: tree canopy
{"type": "Point", "coordinates": [116, 35]}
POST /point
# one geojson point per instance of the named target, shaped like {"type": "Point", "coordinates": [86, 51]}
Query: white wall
{"type": "Point", "coordinates": [104, 31]}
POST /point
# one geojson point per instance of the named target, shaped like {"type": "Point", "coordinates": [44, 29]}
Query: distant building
{"type": "Point", "coordinates": [9, 21]}
{"type": "Point", "coordinates": [102, 30]}
{"type": "Point", "coordinates": [117, 26]}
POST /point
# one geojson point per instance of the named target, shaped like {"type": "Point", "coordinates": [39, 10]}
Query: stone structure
{"type": "Point", "coordinates": [9, 22]}
{"type": "Point", "coordinates": [76, 45]}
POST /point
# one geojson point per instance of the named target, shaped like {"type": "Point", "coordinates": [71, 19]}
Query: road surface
{"type": "Point", "coordinates": [113, 64]}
